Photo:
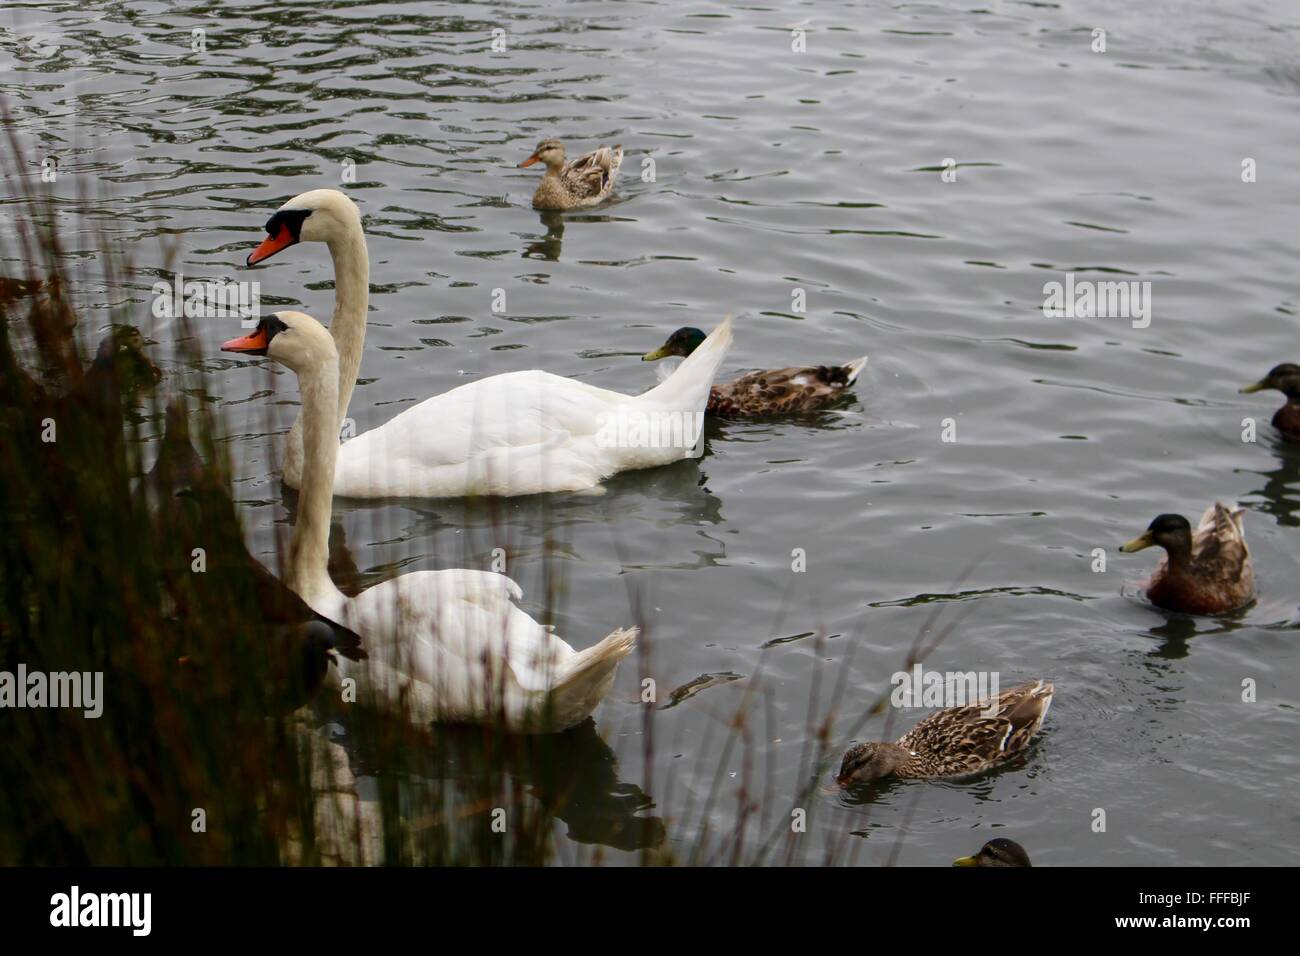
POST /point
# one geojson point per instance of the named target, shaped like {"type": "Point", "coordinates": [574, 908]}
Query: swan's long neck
{"type": "Point", "coordinates": [309, 551]}
{"type": "Point", "coordinates": [348, 326]}
{"type": "Point", "coordinates": [351, 301]}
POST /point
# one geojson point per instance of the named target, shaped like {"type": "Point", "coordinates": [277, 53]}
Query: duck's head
{"type": "Point", "coordinates": [871, 761]}
{"type": "Point", "coordinates": [1285, 378]}
{"type": "Point", "coordinates": [294, 339]}
{"type": "Point", "coordinates": [999, 852]}
{"type": "Point", "coordinates": [1171, 532]}
{"type": "Point", "coordinates": [682, 342]}
{"type": "Point", "coordinates": [321, 215]}
{"type": "Point", "coordinates": [122, 353]}
{"type": "Point", "coordinates": [549, 151]}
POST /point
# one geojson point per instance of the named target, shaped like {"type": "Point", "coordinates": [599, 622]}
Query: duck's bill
{"type": "Point", "coordinates": [1257, 387]}
{"type": "Point", "coordinates": [271, 245]}
{"type": "Point", "coordinates": [253, 344]}
{"type": "Point", "coordinates": [965, 861]}
{"type": "Point", "coordinates": [1144, 540]}
{"type": "Point", "coordinates": [657, 354]}
{"type": "Point", "coordinates": [529, 161]}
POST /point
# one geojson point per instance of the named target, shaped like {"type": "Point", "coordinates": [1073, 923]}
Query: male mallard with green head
{"type": "Point", "coordinates": [999, 852]}
{"type": "Point", "coordinates": [780, 391]}
{"type": "Point", "coordinates": [955, 742]}
{"type": "Point", "coordinates": [583, 182]}
{"type": "Point", "coordinates": [1209, 572]}
{"type": "Point", "coordinates": [1284, 378]}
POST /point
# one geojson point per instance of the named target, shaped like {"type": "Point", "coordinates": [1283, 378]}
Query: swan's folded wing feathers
{"type": "Point", "coordinates": [512, 410]}
{"type": "Point", "coordinates": [459, 629]}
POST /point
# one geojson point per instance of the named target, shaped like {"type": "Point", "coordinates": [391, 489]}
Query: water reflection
{"type": "Point", "coordinates": [450, 776]}
{"type": "Point", "coordinates": [1281, 491]}
{"type": "Point", "coordinates": [1173, 633]}
{"type": "Point", "coordinates": [548, 246]}
{"type": "Point", "coordinates": [526, 527]}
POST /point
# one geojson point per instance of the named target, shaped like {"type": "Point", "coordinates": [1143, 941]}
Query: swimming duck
{"type": "Point", "coordinates": [772, 392]}
{"type": "Point", "coordinates": [1209, 572]}
{"type": "Point", "coordinates": [121, 370]}
{"type": "Point", "coordinates": [955, 742]}
{"type": "Point", "coordinates": [1286, 379]}
{"type": "Point", "coordinates": [584, 182]}
{"type": "Point", "coordinates": [999, 852]}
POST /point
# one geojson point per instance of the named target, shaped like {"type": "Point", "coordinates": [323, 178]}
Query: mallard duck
{"type": "Point", "coordinates": [772, 392]}
{"type": "Point", "coordinates": [121, 369]}
{"type": "Point", "coordinates": [583, 182]}
{"type": "Point", "coordinates": [1209, 572]}
{"type": "Point", "coordinates": [1286, 379]}
{"type": "Point", "coordinates": [955, 742]}
{"type": "Point", "coordinates": [999, 852]}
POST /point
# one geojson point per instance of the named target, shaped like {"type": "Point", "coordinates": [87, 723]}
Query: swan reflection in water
{"type": "Point", "coordinates": [449, 785]}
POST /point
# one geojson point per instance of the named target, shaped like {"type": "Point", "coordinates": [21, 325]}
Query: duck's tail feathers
{"type": "Point", "coordinates": [1220, 518]}
{"type": "Point", "coordinates": [1225, 525]}
{"type": "Point", "coordinates": [854, 369]}
{"type": "Point", "coordinates": [687, 389]}
{"type": "Point", "coordinates": [1024, 708]}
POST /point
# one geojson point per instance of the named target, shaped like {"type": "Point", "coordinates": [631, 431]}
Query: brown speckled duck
{"type": "Point", "coordinates": [583, 182]}
{"type": "Point", "coordinates": [1209, 572]}
{"type": "Point", "coordinates": [780, 391]}
{"type": "Point", "coordinates": [955, 742]}
{"type": "Point", "coordinates": [1286, 379]}
{"type": "Point", "coordinates": [999, 852]}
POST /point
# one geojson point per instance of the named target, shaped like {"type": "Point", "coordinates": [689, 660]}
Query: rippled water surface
{"type": "Point", "coordinates": [777, 171]}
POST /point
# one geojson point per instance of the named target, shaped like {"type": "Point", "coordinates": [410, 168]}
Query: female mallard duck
{"type": "Point", "coordinates": [955, 742]}
{"type": "Point", "coordinates": [1286, 379]}
{"type": "Point", "coordinates": [1209, 572]}
{"type": "Point", "coordinates": [583, 182]}
{"type": "Point", "coordinates": [999, 852]}
{"type": "Point", "coordinates": [773, 392]}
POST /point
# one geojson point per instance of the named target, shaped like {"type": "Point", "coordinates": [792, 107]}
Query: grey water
{"type": "Point", "coordinates": [893, 179]}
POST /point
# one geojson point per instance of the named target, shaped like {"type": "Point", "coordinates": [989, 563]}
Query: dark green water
{"type": "Point", "coordinates": [777, 171]}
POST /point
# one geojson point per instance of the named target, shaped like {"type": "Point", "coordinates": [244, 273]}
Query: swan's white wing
{"type": "Point", "coordinates": [504, 432]}
{"type": "Point", "coordinates": [454, 645]}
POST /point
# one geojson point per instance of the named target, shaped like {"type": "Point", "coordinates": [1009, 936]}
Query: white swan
{"type": "Point", "coordinates": [517, 433]}
{"type": "Point", "coordinates": [442, 645]}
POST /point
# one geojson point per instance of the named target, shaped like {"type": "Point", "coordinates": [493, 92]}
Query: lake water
{"type": "Point", "coordinates": [776, 171]}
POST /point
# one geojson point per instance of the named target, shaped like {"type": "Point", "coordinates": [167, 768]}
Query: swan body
{"type": "Point", "coordinates": [465, 652]}
{"type": "Point", "coordinates": [522, 433]}
{"type": "Point", "coordinates": [442, 645]}
{"type": "Point", "coordinates": [517, 433]}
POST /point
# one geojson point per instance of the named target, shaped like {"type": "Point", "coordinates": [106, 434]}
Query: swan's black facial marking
{"type": "Point", "coordinates": [259, 340]}
{"type": "Point", "coordinates": [290, 219]}
{"type": "Point", "coordinates": [283, 230]}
